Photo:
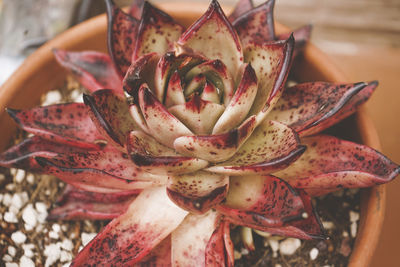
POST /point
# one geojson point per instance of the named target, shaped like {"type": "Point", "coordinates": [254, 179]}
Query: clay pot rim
{"type": "Point", "coordinates": [373, 199]}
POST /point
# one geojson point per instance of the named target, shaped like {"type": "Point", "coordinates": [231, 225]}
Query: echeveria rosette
{"type": "Point", "coordinates": [208, 136]}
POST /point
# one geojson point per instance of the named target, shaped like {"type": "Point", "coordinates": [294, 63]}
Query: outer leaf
{"type": "Point", "coordinates": [157, 32]}
{"type": "Point", "coordinates": [163, 126]}
{"type": "Point", "coordinates": [131, 236]}
{"type": "Point", "coordinates": [110, 113]}
{"type": "Point", "coordinates": [222, 40]}
{"type": "Point", "coordinates": [94, 70]}
{"type": "Point", "coordinates": [271, 63]}
{"type": "Point", "coordinates": [240, 104]}
{"type": "Point", "coordinates": [219, 250]}
{"type": "Point", "coordinates": [155, 158]}
{"type": "Point", "coordinates": [330, 164]}
{"type": "Point", "coordinates": [256, 25]}
{"type": "Point", "coordinates": [160, 256]}
{"type": "Point", "coordinates": [121, 36]}
{"type": "Point", "coordinates": [199, 191]}
{"type": "Point", "coordinates": [304, 106]}
{"type": "Point", "coordinates": [241, 7]}
{"type": "Point", "coordinates": [272, 146]}
{"type": "Point", "coordinates": [301, 36]}
{"type": "Point", "coordinates": [62, 123]}
{"type": "Point", "coordinates": [198, 115]}
{"type": "Point", "coordinates": [216, 148]}
{"type": "Point", "coordinates": [261, 201]}
{"type": "Point", "coordinates": [190, 239]}
{"type": "Point", "coordinates": [349, 108]}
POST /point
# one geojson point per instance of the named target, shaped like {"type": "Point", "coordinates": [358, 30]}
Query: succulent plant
{"type": "Point", "coordinates": [185, 132]}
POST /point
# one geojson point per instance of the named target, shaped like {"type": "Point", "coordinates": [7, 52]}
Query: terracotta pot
{"type": "Point", "coordinates": [40, 73]}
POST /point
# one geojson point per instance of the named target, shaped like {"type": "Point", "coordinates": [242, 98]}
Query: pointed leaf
{"type": "Point", "coordinates": [136, 9]}
{"type": "Point", "coordinates": [271, 147]}
{"type": "Point", "coordinates": [261, 201]}
{"type": "Point", "coordinates": [271, 62]}
{"type": "Point", "coordinates": [301, 36]}
{"type": "Point", "coordinates": [198, 115]}
{"type": "Point", "coordinates": [257, 25]}
{"type": "Point", "coordinates": [62, 123]}
{"type": "Point", "coordinates": [241, 7]}
{"type": "Point", "coordinates": [110, 113]}
{"type": "Point", "coordinates": [349, 108]}
{"type": "Point", "coordinates": [157, 32]}
{"type": "Point", "coordinates": [155, 158]}
{"type": "Point", "coordinates": [304, 106]}
{"type": "Point", "coordinates": [219, 250]}
{"type": "Point", "coordinates": [94, 70]}
{"type": "Point", "coordinates": [121, 36]}
{"type": "Point", "coordinates": [240, 104]}
{"type": "Point", "coordinates": [216, 148]}
{"type": "Point", "coordinates": [174, 94]}
{"type": "Point", "coordinates": [222, 41]}
{"type": "Point", "coordinates": [198, 192]}
{"type": "Point", "coordinates": [190, 239]}
{"type": "Point", "coordinates": [163, 126]}
{"type": "Point", "coordinates": [131, 236]}
{"type": "Point", "coordinates": [330, 164]}
{"type": "Point", "coordinates": [210, 93]}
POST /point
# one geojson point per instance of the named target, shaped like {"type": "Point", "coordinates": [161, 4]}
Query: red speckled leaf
{"type": "Point", "coordinates": [216, 72]}
{"type": "Point", "coordinates": [163, 126]}
{"type": "Point", "coordinates": [174, 93]}
{"type": "Point", "coordinates": [241, 102]}
{"type": "Point", "coordinates": [136, 9]}
{"type": "Point", "coordinates": [198, 115]}
{"type": "Point", "coordinates": [155, 158]}
{"type": "Point", "coordinates": [22, 155]}
{"type": "Point", "coordinates": [62, 123]}
{"type": "Point", "coordinates": [94, 70]}
{"type": "Point", "coordinates": [121, 36]}
{"type": "Point", "coordinates": [271, 147]}
{"type": "Point", "coordinates": [304, 106]}
{"type": "Point", "coordinates": [349, 108]}
{"type": "Point", "coordinates": [131, 236]}
{"type": "Point", "coordinates": [241, 7]}
{"type": "Point", "coordinates": [261, 201]}
{"type": "Point", "coordinates": [219, 249]}
{"type": "Point", "coordinates": [160, 256]}
{"type": "Point", "coordinates": [306, 228]}
{"type": "Point", "coordinates": [190, 239]}
{"type": "Point", "coordinates": [256, 25]}
{"type": "Point", "coordinates": [157, 32]}
{"type": "Point", "coordinates": [330, 164]}
{"type": "Point", "coordinates": [210, 93]}
{"type": "Point", "coordinates": [216, 148]}
{"type": "Point", "coordinates": [199, 191]}
{"type": "Point", "coordinates": [222, 41]}
{"type": "Point", "coordinates": [301, 36]}
{"type": "Point", "coordinates": [78, 205]}
{"type": "Point", "coordinates": [271, 62]}
{"type": "Point", "coordinates": [110, 113]}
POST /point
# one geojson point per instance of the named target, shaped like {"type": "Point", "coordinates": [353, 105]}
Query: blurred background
{"type": "Point", "coordinates": [361, 36]}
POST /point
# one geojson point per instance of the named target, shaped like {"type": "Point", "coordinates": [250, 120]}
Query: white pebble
{"type": "Point", "coordinates": [13, 171]}
{"type": "Point", "coordinates": [353, 229]}
{"type": "Point", "coordinates": [87, 237]}
{"type": "Point", "coordinates": [52, 97]}
{"type": "Point", "coordinates": [28, 250]}
{"type": "Point", "coordinates": [237, 255]}
{"type": "Point", "coordinates": [29, 215]}
{"type": "Point", "coordinates": [53, 253]}
{"type": "Point", "coordinates": [10, 217]}
{"type": "Point", "coordinates": [28, 227]}
{"type": "Point", "coordinates": [244, 251]}
{"type": "Point", "coordinates": [314, 253]}
{"type": "Point", "coordinates": [56, 227]}
{"type": "Point", "coordinates": [274, 244]}
{"type": "Point", "coordinates": [11, 264]}
{"type": "Point", "coordinates": [67, 245]}
{"type": "Point", "coordinates": [1, 198]}
{"type": "Point", "coordinates": [345, 234]}
{"type": "Point", "coordinates": [53, 235]}
{"type": "Point", "coordinates": [278, 265]}
{"type": "Point", "coordinates": [17, 201]}
{"type": "Point", "coordinates": [2, 177]}
{"type": "Point", "coordinates": [328, 225]}
{"type": "Point", "coordinates": [67, 264]}
{"type": "Point", "coordinates": [12, 251]}
{"type": "Point", "coordinates": [30, 178]}
{"type": "Point", "coordinates": [65, 256]}
{"type": "Point", "coordinates": [289, 246]}
{"type": "Point", "coordinates": [10, 187]}
{"type": "Point", "coordinates": [41, 207]}
{"type": "Point", "coordinates": [19, 176]}
{"type": "Point", "coordinates": [7, 200]}
{"type": "Point", "coordinates": [7, 258]}
{"type": "Point", "coordinates": [26, 262]}
{"type": "Point", "coordinates": [354, 216]}
{"type": "Point", "coordinates": [18, 237]}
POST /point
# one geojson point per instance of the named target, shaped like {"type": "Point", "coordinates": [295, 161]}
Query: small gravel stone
{"type": "Point", "coordinates": [56, 227]}
{"type": "Point", "coordinates": [1, 198]}
{"type": "Point", "coordinates": [65, 256]}
{"type": "Point", "coordinates": [52, 97]}
{"type": "Point", "coordinates": [18, 237]}
{"type": "Point", "coordinates": [2, 177]}
{"type": "Point", "coordinates": [354, 216]}
{"type": "Point", "coordinates": [289, 246]}
{"type": "Point", "coordinates": [314, 253]}
{"type": "Point", "coordinates": [30, 178]}
{"type": "Point", "coordinates": [11, 264]}
{"type": "Point", "coordinates": [67, 264]}
{"type": "Point", "coordinates": [41, 207]}
{"type": "Point", "coordinates": [7, 258]}
{"type": "Point", "coordinates": [353, 229]}
{"type": "Point", "coordinates": [87, 237]}
{"type": "Point", "coordinates": [54, 235]}
{"type": "Point", "coordinates": [7, 200]}
{"type": "Point", "coordinates": [328, 225]}
{"type": "Point", "coordinates": [53, 253]}
{"type": "Point", "coordinates": [10, 217]}
{"type": "Point", "coordinates": [12, 251]}
{"type": "Point", "coordinates": [274, 244]}
{"type": "Point", "coordinates": [19, 176]}
{"type": "Point", "coordinates": [67, 245]}
{"type": "Point", "coordinates": [10, 187]}
{"type": "Point", "coordinates": [244, 251]}
{"type": "Point", "coordinates": [26, 262]}
{"type": "Point", "coordinates": [345, 234]}
{"type": "Point", "coordinates": [237, 255]}
{"type": "Point", "coordinates": [28, 250]}
{"type": "Point", "coordinates": [29, 216]}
